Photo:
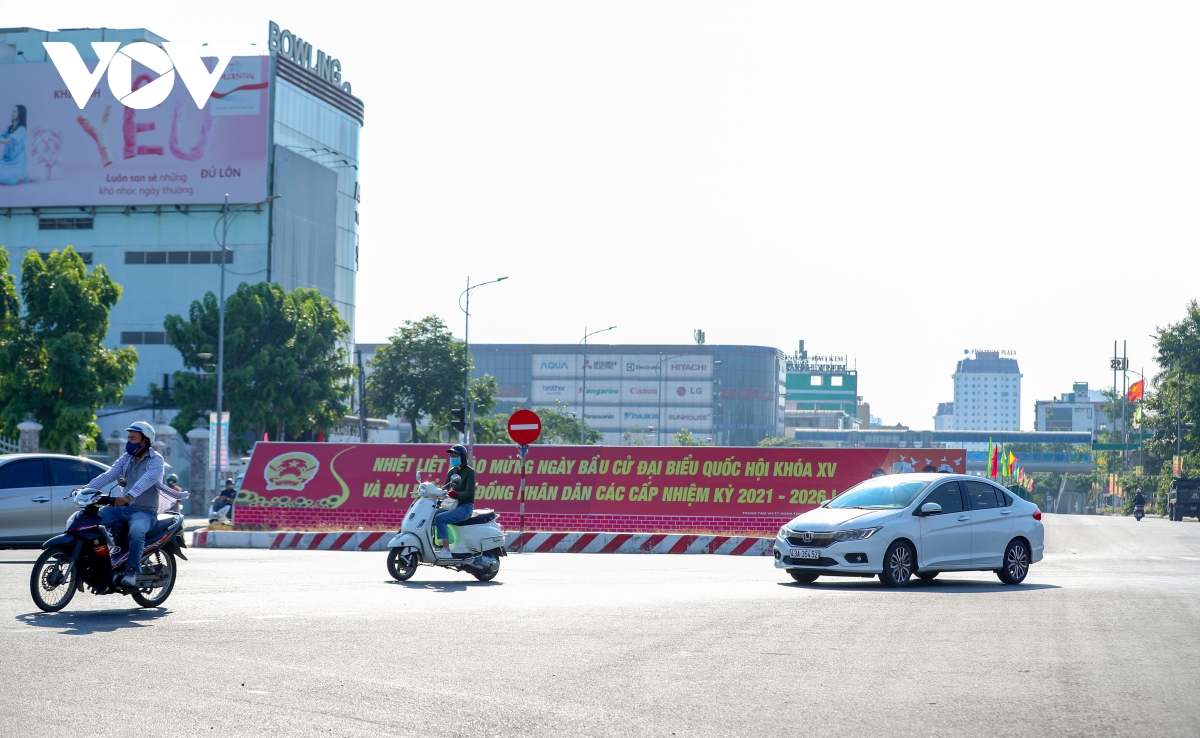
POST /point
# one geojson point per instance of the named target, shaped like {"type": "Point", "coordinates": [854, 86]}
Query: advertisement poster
{"type": "Point", "coordinates": [107, 154]}
{"type": "Point", "coordinates": [579, 480]}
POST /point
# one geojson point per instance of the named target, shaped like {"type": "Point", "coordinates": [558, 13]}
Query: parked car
{"type": "Point", "coordinates": [902, 525]}
{"type": "Point", "coordinates": [32, 488]}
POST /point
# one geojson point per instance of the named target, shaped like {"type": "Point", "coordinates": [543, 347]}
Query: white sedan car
{"type": "Point", "coordinates": [899, 525]}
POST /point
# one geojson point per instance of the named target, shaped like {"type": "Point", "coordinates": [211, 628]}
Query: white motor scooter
{"type": "Point", "coordinates": [476, 543]}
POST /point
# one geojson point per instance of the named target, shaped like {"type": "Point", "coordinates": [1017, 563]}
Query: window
{"type": "Point", "coordinates": [816, 381]}
{"type": "Point", "coordinates": [145, 337]}
{"type": "Point", "coordinates": [23, 473]}
{"type": "Point", "coordinates": [65, 224]}
{"type": "Point", "coordinates": [174, 257]}
{"type": "Point", "coordinates": [947, 495]}
{"type": "Point", "coordinates": [835, 381]}
{"type": "Point", "coordinates": [982, 496]}
{"type": "Point", "coordinates": [66, 472]}
{"type": "Point", "coordinates": [86, 256]}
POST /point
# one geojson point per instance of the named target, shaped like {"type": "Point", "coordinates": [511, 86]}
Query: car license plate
{"type": "Point", "coordinates": [805, 553]}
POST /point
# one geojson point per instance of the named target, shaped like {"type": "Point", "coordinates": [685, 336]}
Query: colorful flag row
{"type": "Point", "coordinates": [1004, 464]}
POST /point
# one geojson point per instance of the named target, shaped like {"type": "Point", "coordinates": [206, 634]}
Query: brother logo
{"type": "Point", "coordinates": [164, 61]}
{"type": "Point", "coordinates": [554, 388]}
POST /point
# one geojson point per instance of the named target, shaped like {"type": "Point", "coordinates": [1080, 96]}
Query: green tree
{"type": "Point", "coordinates": [780, 442]}
{"type": "Point", "coordinates": [560, 428]}
{"type": "Point", "coordinates": [53, 363]}
{"type": "Point", "coordinates": [684, 437]}
{"type": "Point", "coordinates": [1175, 402]}
{"type": "Point", "coordinates": [285, 367]}
{"type": "Point", "coordinates": [10, 307]}
{"type": "Point", "coordinates": [635, 436]}
{"type": "Point", "coordinates": [419, 372]}
{"type": "Point", "coordinates": [483, 391]}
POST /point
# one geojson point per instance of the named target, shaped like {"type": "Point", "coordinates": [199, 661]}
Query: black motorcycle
{"type": "Point", "coordinates": [1139, 511]}
{"type": "Point", "coordinates": [89, 555]}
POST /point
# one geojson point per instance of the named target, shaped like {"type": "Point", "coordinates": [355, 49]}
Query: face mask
{"type": "Point", "coordinates": [132, 448]}
{"type": "Point", "coordinates": [455, 461]}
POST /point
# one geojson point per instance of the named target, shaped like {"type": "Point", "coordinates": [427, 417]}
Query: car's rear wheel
{"type": "Point", "coordinates": [804, 577]}
{"type": "Point", "coordinates": [927, 576]}
{"type": "Point", "coordinates": [1016, 563]}
{"type": "Point", "coordinates": [898, 565]}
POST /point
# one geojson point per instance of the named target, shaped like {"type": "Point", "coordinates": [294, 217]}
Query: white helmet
{"type": "Point", "coordinates": [144, 428]}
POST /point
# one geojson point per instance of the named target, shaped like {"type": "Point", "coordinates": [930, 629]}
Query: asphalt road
{"type": "Point", "coordinates": [1101, 640]}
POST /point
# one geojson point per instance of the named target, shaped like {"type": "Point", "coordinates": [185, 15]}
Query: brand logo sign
{"type": "Point", "coordinates": [298, 51]}
{"type": "Point", "coordinates": [605, 365]}
{"type": "Point", "coordinates": [143, 91]}
{"type": "Point", "coordinates": [641, 416]}
{"type": "Point", "coordinates": [291, 471]}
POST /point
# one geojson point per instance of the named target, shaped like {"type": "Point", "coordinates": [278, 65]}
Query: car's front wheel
{"type": "Point", "coordinates": [804, 577]}
{"type": "Point", "coordinates": [898, 565]}
{"type": "Point", "coordinates": [1016, 563]}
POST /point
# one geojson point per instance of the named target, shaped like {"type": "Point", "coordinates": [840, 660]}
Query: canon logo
{"type": "Point", "coordinates": [171, 57]}
{"type": "Point", "coordinates": [642, 391]}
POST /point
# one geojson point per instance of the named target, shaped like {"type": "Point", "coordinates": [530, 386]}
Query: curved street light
{"type": "Point", "coordinates": [583, 404]}
{"type": "Point", "coordinates": [470, 404]}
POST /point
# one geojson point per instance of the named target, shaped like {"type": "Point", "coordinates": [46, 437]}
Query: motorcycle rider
{"type": "Point", "coordinates": [223, 503]}
{"type": "Point", "coordinates": [1139, 499]}
{"type": "Point", "coordinates": [461, 486]}
{"type": "Point", "coordinates": [173, 483]}
{"type": "Point", "coordinates": [142, 468]}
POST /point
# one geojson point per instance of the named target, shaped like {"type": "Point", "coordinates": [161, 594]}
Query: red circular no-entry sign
{"type": "Point", "coordinates": [524, 427]}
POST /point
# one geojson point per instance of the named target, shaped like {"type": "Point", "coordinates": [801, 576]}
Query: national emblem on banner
{"type": "Point", "coordinates": [291, 471]}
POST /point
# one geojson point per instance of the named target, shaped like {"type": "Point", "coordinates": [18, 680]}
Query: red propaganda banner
{"type": "Point", "coordinates": [578, 480]}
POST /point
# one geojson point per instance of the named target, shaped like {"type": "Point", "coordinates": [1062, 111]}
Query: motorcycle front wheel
{"type": "Point", "coordinates": [402, 566]}
{"type": "Point", "coordinates": [158, 595]}
{"type": "Point", "coordinates": [52, 583]}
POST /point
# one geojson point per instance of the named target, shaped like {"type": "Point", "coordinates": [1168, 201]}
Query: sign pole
{"type": "Point", "coordinates": [522, 449]}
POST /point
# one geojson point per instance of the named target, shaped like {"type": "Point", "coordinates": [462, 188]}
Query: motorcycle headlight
{"type": "Point", "coordinates": [854, 535]}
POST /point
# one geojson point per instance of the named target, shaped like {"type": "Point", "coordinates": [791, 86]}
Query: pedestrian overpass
{"type": "Point", "coordinates": [1033, 461]}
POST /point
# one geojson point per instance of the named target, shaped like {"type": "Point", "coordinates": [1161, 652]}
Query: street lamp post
{"type": "Point", "coordinates": [583, 404]}
{"type": "Point", "coordinates": [470, 404]}
{"type": "Point", "coordinates": [225, 211]}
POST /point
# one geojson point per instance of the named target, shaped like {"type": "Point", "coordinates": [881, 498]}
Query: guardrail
{"type": "Point", "coordinates": [9, 447]}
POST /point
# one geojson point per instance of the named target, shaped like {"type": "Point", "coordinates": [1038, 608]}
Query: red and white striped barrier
{"type": "Point", "coordinates": [631, 543]}
{"type": "Point", "coordinates": [334, 541]}
{"type": "Point", "coordinates": [643, 543]}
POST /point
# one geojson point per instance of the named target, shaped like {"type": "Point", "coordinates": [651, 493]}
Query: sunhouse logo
{"type": "Point", "coordinates": [143, 92]}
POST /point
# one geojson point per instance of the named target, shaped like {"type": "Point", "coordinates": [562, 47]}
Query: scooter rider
{"type": "Point", "coordinates": [142, 468]}
{"type": "Point", "coordinates": [1139, 499]}
{"type": "Point", "coordinates": [223, 503]}
{"type": "Point", "coordinates": [461, 487]}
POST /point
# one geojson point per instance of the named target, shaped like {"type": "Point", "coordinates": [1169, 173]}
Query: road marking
{"type": "Point", "coordinates": [256, 691]}
{"type": "Point", "coordinates": [270, 617]}
{"type": "Point", "coordinates": [185, 622]}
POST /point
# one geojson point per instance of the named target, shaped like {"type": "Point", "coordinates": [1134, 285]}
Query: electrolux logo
{"type": "Point", "coordinates": [631, 366]}
{"type": "Point", "coordinates": [141, 93]}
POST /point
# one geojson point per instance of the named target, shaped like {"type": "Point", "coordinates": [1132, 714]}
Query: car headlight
{"type": "Point", "coordinates": [854, 535]}
{"type": "Point", "coordinates": [783, 532]}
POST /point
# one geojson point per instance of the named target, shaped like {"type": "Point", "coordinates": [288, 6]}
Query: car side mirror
{"type": "Point", "coordinates": [418, 477]}
{"type": "Point", "coordinates": [931, 508]}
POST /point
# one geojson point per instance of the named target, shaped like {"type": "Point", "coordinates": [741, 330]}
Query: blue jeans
{"type": "Point", "coordinates": [139, 520]}
{"type": "Point", "coordinates": [446, 517]}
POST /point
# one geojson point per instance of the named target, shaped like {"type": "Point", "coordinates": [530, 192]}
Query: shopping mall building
{"type": "Point", "coordinates": [141, 191]}
{"type": "Point", "coordinates": [724, 395]}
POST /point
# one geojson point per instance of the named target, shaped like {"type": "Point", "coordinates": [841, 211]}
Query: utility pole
{"type": "Point", "coordinates": [362, 398]}
{"type": "Point", "coordinates": [1124, 397]}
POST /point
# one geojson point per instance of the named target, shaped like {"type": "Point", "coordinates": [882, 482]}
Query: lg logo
{"type": "Point", "coordinates": [164, 61]}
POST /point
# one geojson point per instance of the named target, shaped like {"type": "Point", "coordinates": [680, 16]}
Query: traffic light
{"type": "Point", "coordinates": [458, 419]}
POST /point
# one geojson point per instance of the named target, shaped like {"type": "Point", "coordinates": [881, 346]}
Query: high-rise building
{"type": "Point", "coordinates": [987, 393]}
{"type": "Point", "coordinates": [141, 191]}
{"type": "Point", "coordinates": [1081, 409]}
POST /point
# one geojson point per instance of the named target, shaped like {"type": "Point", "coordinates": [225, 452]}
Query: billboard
{"type": "Point", "coordinates": [577, 480]}
{"type": "Point", "coordinates": [648, 366]}
{"type": "Point", "coordinates": [107, 154]}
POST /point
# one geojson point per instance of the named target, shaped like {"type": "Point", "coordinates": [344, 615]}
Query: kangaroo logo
{"type": "Point", "coordinates": [165, 61]}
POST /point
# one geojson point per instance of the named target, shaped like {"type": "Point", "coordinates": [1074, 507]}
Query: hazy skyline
{"type": "Point", "coordinates": [893, 182]}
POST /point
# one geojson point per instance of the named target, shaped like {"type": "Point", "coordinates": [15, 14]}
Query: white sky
{"type": "Point", "coordinates": [893, 181]}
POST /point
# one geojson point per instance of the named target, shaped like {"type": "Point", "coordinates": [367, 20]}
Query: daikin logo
{"type": "Point", "coordinates": [143, 92]}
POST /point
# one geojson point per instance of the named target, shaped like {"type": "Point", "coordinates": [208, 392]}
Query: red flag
{"type": "Point", "coordinates": [1135, 390]}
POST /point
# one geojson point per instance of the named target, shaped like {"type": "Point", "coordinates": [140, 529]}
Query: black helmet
{"type": "Point", "coordinates": [228, 482]}
{"type": "Point", "coordinates": [459, 449]}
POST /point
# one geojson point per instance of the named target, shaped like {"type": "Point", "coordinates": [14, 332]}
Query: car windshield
{"type": "Point", "coordinates": [891, 492]}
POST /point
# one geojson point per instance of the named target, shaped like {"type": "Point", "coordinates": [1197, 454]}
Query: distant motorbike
{"type": "Point", "coordinates": [476, 544]}
{"type": "Point", "coordinates": [220, 511]}
{"type": "Point", "coordinates": [1139, 511]}
{"type": "Point", "coordinates": [89, 555]}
